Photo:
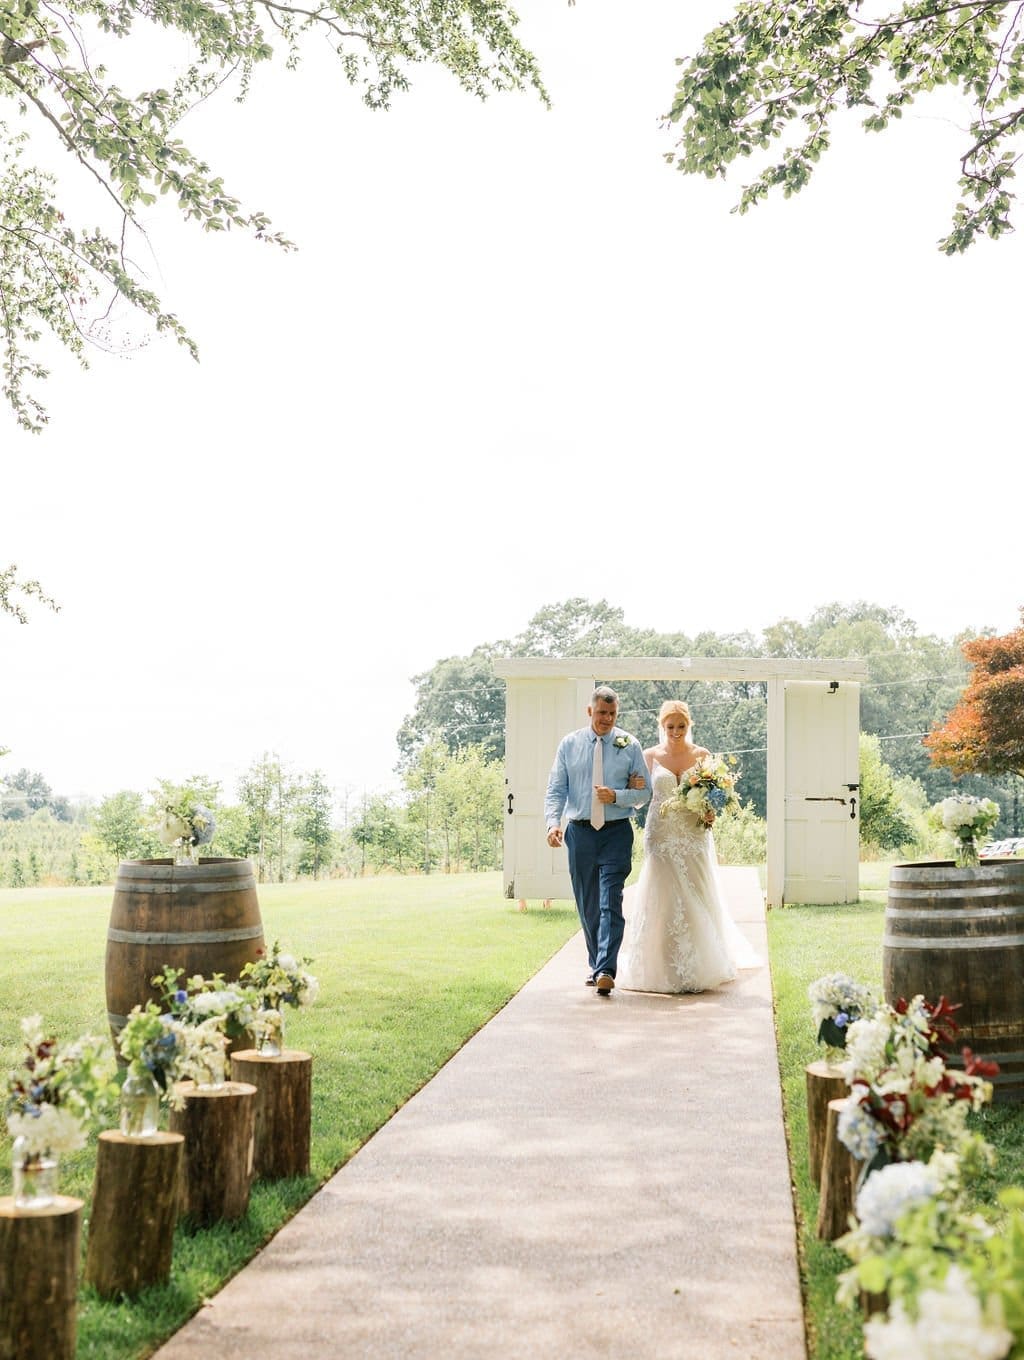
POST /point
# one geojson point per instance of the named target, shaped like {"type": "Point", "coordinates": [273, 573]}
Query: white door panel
{"type": "Point", "coordinates": [821, 763]}
{"type": "Point", "coordinates": [538, 715]}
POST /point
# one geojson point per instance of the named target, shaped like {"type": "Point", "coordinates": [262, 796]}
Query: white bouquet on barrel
{"type": "Point", "coordinates": [968, 821]}
{"type": "Point", "coordinates": [183, 820]}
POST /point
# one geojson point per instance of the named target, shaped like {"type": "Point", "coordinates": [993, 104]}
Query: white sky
{"type": "Point", "coordinates": [502, 323]}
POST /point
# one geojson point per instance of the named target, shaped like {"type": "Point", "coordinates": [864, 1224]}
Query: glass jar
{"type": "Point", "coordinates": [270, 1040]}
{"type": "Point", "coordinates": [34, 1176]}
{"type": "Point", "coordinates": [140, 1105]}
{"type": "Point", "coordinates": [210, 1074]}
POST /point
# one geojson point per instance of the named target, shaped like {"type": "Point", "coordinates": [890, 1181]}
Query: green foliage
{"type": "Point", "coordinates": [61, 278]}
{"type": "Point", "coordinates": [313, 823]}
{"type": "Point", "coordinates": [771, 80]}
{"type": "Point", "coordinates": [741, 837]}
{"type": "Point", "coordinates": [118, 825]}
{"type": "Point", "coordinates": [883, 820]}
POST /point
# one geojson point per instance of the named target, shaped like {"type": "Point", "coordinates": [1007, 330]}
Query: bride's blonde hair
{"type": "Point", "coordinates": [676, 706]}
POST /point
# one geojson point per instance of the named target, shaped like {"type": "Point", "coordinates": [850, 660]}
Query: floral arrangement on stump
{"type": "Point", "coordinates": [967, 821]}
{"type": "Point", "coordinates": [198, 1001]}
{"type": "Point", "coordinates": [836, 1002]}
{"type": "Point", "coordinates": [707, 789]}
{"type": "Point", "coordinates": [53, 1097]}
{"type": "Point", "coordinates": [182, 820]}
{"type": "Point", "coordinates": [278, 979]}
{"type": "Point", "coordinates": [160, 1051]}
{"type": "Point", "coordinates": [904, 1101]}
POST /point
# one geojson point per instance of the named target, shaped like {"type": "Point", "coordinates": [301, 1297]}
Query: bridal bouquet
{"type": "Point", "coordinates": [705, 789]}
{"type": "Point", "coordinates": [967, 820]}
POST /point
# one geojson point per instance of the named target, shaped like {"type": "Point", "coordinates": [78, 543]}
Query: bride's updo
{"type": "Point", "coordinates": [674, 707]}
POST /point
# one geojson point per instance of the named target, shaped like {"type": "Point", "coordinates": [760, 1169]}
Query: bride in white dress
{"type": "Point", "coordinates": [679, 936]}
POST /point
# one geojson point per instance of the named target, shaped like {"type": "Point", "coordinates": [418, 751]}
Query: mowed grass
{"type": "Point", "coordinates": [805, 942]}
{"type": "Point", "coordinates": [409, 969]}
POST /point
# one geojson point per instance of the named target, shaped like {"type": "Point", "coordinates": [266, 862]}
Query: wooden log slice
{"type": "Point", "coordinates": [39, 1280]}
{"type": "Point", "coordinates": [839, 1169]}
{"type": "Point", "coordinates": [219, 1126]}
{"type": "Point", "coordinates": [284, 1110]}
{"type": "Point", "coordinates": [134, 1212]}
{"type": "Point", "coordinates": [824, 1083]}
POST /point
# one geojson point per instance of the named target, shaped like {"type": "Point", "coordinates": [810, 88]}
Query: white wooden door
{"type": "Point", "coordinates": [538, 714]}
{"type": "Point", "coordinates": [822, 792]}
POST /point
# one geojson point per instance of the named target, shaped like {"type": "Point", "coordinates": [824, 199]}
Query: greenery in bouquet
{"type": "Point", "coordinates": [966, 821]}
{"type": "Point", "coordinates": [904, 1102]}
{"type": "Point", "coordinates": [706, 789]}
{"type": "Point", "coordinates": [198, 999]}
{"type": "Point", "coordinates": [181, 813]}
{"type": "Point", "coordinates": [280, 979]}
{"type": "Point", "coordinates": [58, 1091]}
{"type": "Point", "coordinates": [169, 1049]}
{"type": "Point", "coordinates": [836, 1002]}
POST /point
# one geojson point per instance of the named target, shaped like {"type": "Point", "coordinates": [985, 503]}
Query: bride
{"type": "Point", "coordinates": [680, 936]}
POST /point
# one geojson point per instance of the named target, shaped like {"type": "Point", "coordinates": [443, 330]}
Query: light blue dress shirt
{"type": "Point", "coordinates": [570, 784]}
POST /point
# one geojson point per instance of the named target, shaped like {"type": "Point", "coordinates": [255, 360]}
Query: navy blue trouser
{"type": "Point", "coordinates": [599, 864]}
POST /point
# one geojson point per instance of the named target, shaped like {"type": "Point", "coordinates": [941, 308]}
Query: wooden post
{"type": "Point", "coordinates": [284, 1109]}
{"type": "Point", "coordinates": [825, 1082]}
{"type": "Point", "coordinates": [218, 1124]}
{"type": "Point", "coordinates": [839, 1169]}
{"type": "Point", "coordinates": [39, 1280]}
{"type": "Point", "coordinates": [134, 1209]}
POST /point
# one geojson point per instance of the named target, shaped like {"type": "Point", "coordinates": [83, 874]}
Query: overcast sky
{"type": "Point", "coordinates": [517, 358]}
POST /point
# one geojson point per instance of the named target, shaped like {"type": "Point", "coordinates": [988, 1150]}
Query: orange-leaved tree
{"type": "Point", "coordinates": [984, 733]}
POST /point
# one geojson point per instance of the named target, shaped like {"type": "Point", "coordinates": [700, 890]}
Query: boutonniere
{"type": "Point", "coordinates": [622, 741]}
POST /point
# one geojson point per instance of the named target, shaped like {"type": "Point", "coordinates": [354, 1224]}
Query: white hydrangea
{"type": "Point", "coordinates": [889, 1192]}
{"type": "Point", "coordinates": [309, 992]}
{"type": "Point", "coordinates": [865, 1048]}
{"type": "Point", "coordinates": [958, 812]}
{"type": "Point", "coordinates": [837, 993]}
{"type": "Point", "coordinates": [55, 1129]}
{"type": "Point", "coordinates": [951, 1325]}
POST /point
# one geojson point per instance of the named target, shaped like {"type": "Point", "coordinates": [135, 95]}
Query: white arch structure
{"type": "Point", "coordinates": [813, 768]}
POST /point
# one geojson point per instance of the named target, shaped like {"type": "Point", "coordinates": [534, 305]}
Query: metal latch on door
{"type": "Point", "coordinates": [834, 799]}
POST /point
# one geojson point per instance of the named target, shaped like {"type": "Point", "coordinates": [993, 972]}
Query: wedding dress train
{"type": "Point", "coordinates": [679, 936]}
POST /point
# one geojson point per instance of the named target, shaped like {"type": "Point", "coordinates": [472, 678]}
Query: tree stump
{"type": "Point", "coordinates": [218, 1124]}
{"type": "Point", "coordinates": [284, 1109]}
{"type": "Point", "coordinates": [134, 1209]}
{"type": "Point", "coordinates": [39, 1280]}
{"type": "Point", "coordinates": [839, 1169]}
{"type": "Point", "coordinates": [825, 1082]}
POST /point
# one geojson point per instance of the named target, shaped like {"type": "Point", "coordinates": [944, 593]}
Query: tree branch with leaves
{"type": "Point", "coordinates": [64, 280]}
{"type": "Point", "coordinates": [771, 79]}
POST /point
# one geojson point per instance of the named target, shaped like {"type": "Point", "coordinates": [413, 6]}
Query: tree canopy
{"type": "Point", "coordinates": [771, 80]}
{"type": "Point", "coordinates": [63, 278]}
{"type": "Point", "coordinates": [984, 734]}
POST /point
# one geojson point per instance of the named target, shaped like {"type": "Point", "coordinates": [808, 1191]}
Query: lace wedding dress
{"type": "Point", "coordinates": [679, 936]}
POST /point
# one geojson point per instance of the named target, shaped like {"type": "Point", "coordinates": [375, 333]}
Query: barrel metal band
{"type": "Point", "coordinates": [184, 937]}
{"type": "Point", "coordinates": [951, 941]}
{"type": "Point", "coordinates": [985, 914]}
{"type": "Point", "coordinates": [177, 886]}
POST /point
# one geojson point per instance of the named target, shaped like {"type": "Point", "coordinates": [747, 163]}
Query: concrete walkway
{"type": "Point", "coordinates": [585, 1178]}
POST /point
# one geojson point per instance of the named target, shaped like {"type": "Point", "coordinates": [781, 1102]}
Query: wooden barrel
{"type": "Point", "coordinates": [960, 933]}
{"type": "Point", "coordinates": [203, 918]}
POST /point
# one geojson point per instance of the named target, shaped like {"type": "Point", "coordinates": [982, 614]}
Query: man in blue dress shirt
{"type": "Point", "coordinates": [589, 786]}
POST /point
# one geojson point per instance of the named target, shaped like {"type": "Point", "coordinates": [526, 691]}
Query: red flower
{"type": "Point", "coordinates": [978, 1067]}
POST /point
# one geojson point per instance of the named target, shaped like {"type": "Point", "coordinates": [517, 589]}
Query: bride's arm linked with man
{"type": "Point", "coordinates": [598, 780]}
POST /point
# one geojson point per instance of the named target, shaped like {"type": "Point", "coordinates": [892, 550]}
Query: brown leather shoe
{"type": "Point", "coordinates": [604, 984]}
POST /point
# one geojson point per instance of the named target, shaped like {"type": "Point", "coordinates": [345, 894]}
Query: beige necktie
{"type": "Point", "coordinates": [596, 807]}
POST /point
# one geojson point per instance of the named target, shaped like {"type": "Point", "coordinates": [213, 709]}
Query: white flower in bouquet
{"type": "Point", "coordinates": [951, 1324]}
{"type": "Point", "coordinates": [866, 1043]}
{"type": "Point", "coordinates": [171, 828]}
{"type": "Point", "coordinates": [890, 1191]}
{"type": "Point", "coordinates": [58, 1091]}
{"type": "Point", "coordinates": [838, 995]}
{"type": "Point", "coordinates": [858, 1131]}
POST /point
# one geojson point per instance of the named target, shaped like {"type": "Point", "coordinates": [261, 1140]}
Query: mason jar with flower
{"type": "Point", "coordinates": [182, 820]}
{"type": "Point", "coordinates": [52, 1098]}
{"type": "Point", "coordinates": [278, 980]}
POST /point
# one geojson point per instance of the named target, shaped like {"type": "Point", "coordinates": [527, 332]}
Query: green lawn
{"type": "Point", "coordinates": [409, 969]}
